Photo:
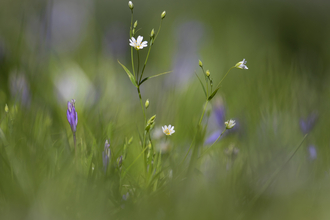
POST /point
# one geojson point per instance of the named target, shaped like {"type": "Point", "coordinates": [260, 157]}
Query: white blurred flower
{"type": "Point", "coordinates": [230, 124]}
{"type": "Point", "coordinates": [241, 65]}
{"type": "Point", "coordinates": [168, 130]}
{"type": "Point", "coordinates": [138, 44]}
{"type": "Point", "coordinates": [130, 5]}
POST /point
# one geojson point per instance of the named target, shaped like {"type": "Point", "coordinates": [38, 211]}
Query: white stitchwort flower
{"type": "Point", "coordinates": [138, 44]}
{"type": "Point", "coordinates": [241, 65]}
{"type": "Point", "coordinates": [230, 124]}
{"type": "Point", "coordinates": [168, 130]}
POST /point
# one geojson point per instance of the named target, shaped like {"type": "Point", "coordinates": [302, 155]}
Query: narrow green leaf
{"type": "Point", "coordinates": [202, 85]}
{"type": "Point", "coordinates": [213, 94]}
{"type": "Point", "coordinates": [131, 77]}
{"type": "Point", "coordinates": [149, 77]}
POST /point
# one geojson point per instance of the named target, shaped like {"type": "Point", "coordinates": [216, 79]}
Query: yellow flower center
{"type": "Point", "coordinates": [167, 132]}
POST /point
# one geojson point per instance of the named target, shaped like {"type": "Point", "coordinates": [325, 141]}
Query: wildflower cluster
{"type": "Point", "coordinates": [152, 160]}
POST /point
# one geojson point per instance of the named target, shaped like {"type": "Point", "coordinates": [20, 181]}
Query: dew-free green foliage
{"type": "Point", "coordinates": [265, 167]}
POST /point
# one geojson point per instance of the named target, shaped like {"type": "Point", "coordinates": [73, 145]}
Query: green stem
{"type": "Point", "coordinates": [131, 29]}
{"type": "Point", "coordinates": [74, 141]}
{"type": "Point", "coordinates": [200, 121]}
{"type": "Point", "coordinates": [145, 63]}
{"type": "Point", "coordinates": [134, 162]}
{"type": "Point", "coordinates": [212, 144]}
{"type": "Point", "coordinates": [158, 30]}
{"type": "Point", "coordinates": [144, 155]}
{"type": "Point", "coordinates": [144, 114]}
{"type": "Point", "coordinates": [225, 76]}
{"type": "Point", "coordinates": [132, 59]}
{"type": "Point", "coordinates": [138, 67]}
{"type": "Point", "coordinates": [151, 43]}
{"type": "Point", "coordinates": [207, 87]}
{"type": "Point", "coordinates": [131, 35]}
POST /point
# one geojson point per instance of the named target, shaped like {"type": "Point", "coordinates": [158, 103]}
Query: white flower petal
{"type": "Point", "coordinates": [139, 39]}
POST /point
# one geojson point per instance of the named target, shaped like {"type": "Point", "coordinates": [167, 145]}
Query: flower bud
{"type": "Point", "coordinates": [150, 122]}
{"type": "Point", "coordinates": [152, 119]}
{"type": "Point", "coordinates": [163, 15]}
{"type": "Point", "coordinates": [147, 103]}
{"type": "Point", "coordinates": [130, 5]}
{"type": "Point", "coordinates": [6, 108]}
{"type": "Point", "coordinates": [207, 73]}
{"type": "Point", "coordinates": [130, 140]}
{"type": "Point", "coordinates": [152, 34]}
{"type": "Point", "coordinates": [135, 24]}
{"type": "Point", "coordinates": [149, 150]}
{"type": "Point", "coordinates": [72, 115]}
{"type": "Point", "coordinates": [200, 63]}
{"type": "Point", "coordinates": [106, 155]}
{"type": "Point", "coordinates": [120, 161]}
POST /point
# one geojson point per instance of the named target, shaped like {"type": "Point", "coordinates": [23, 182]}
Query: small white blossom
{"type": "Point", "coordinates": [168, 130]}
{"type": "Point", "coordinates": [230, 124]}
{"type": "Point", "coordinates": [138, 44]}
{"type": "Point", "coordinates": [241, 65]}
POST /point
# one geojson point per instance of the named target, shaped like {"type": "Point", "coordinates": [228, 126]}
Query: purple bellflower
{"type": "Point", "coordinates": [307, 124]}
{"type": "Point", "coordinates": [106, 155]}
{"type": "Point", "coordinates": [312, 152]}
{"type": "Point", "coordinates": [219, 119]}
{"type": "Point", "coordinates": [219, 114]}
{"type": "Point", "coordinates": [72, 117]}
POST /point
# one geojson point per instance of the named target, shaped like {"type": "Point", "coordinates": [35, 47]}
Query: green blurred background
{"type": "Point", "coordinates": [53, 51]}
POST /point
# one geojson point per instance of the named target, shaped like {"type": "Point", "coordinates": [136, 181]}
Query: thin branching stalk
{"type": "Point", "coordinates": [224, 76]}
{"type": "Point", "coordinates": [144, 155]}
{"type": "Point", "coordinates": [160, 25]}
{"type": "Point", "coordinates": [138, 67]}
{"type": "Point", "coordinates": [145, 63]}
{"type": "Point", "coordinates": [140, 97]}
{"type": "Point", "coordinates": [206, 82]}
{"type": "Point", "coordinates": [200, 121]}
{"type": "Point", "coordinates": [131, 35]}
{"type": "Point", "coordinates": [150, 45]}
{"type": "Point", "coordinates": [74, 141]}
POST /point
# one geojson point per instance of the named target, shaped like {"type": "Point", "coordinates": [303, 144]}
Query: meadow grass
{"type": "Point", "coordinates": [272, 164]}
